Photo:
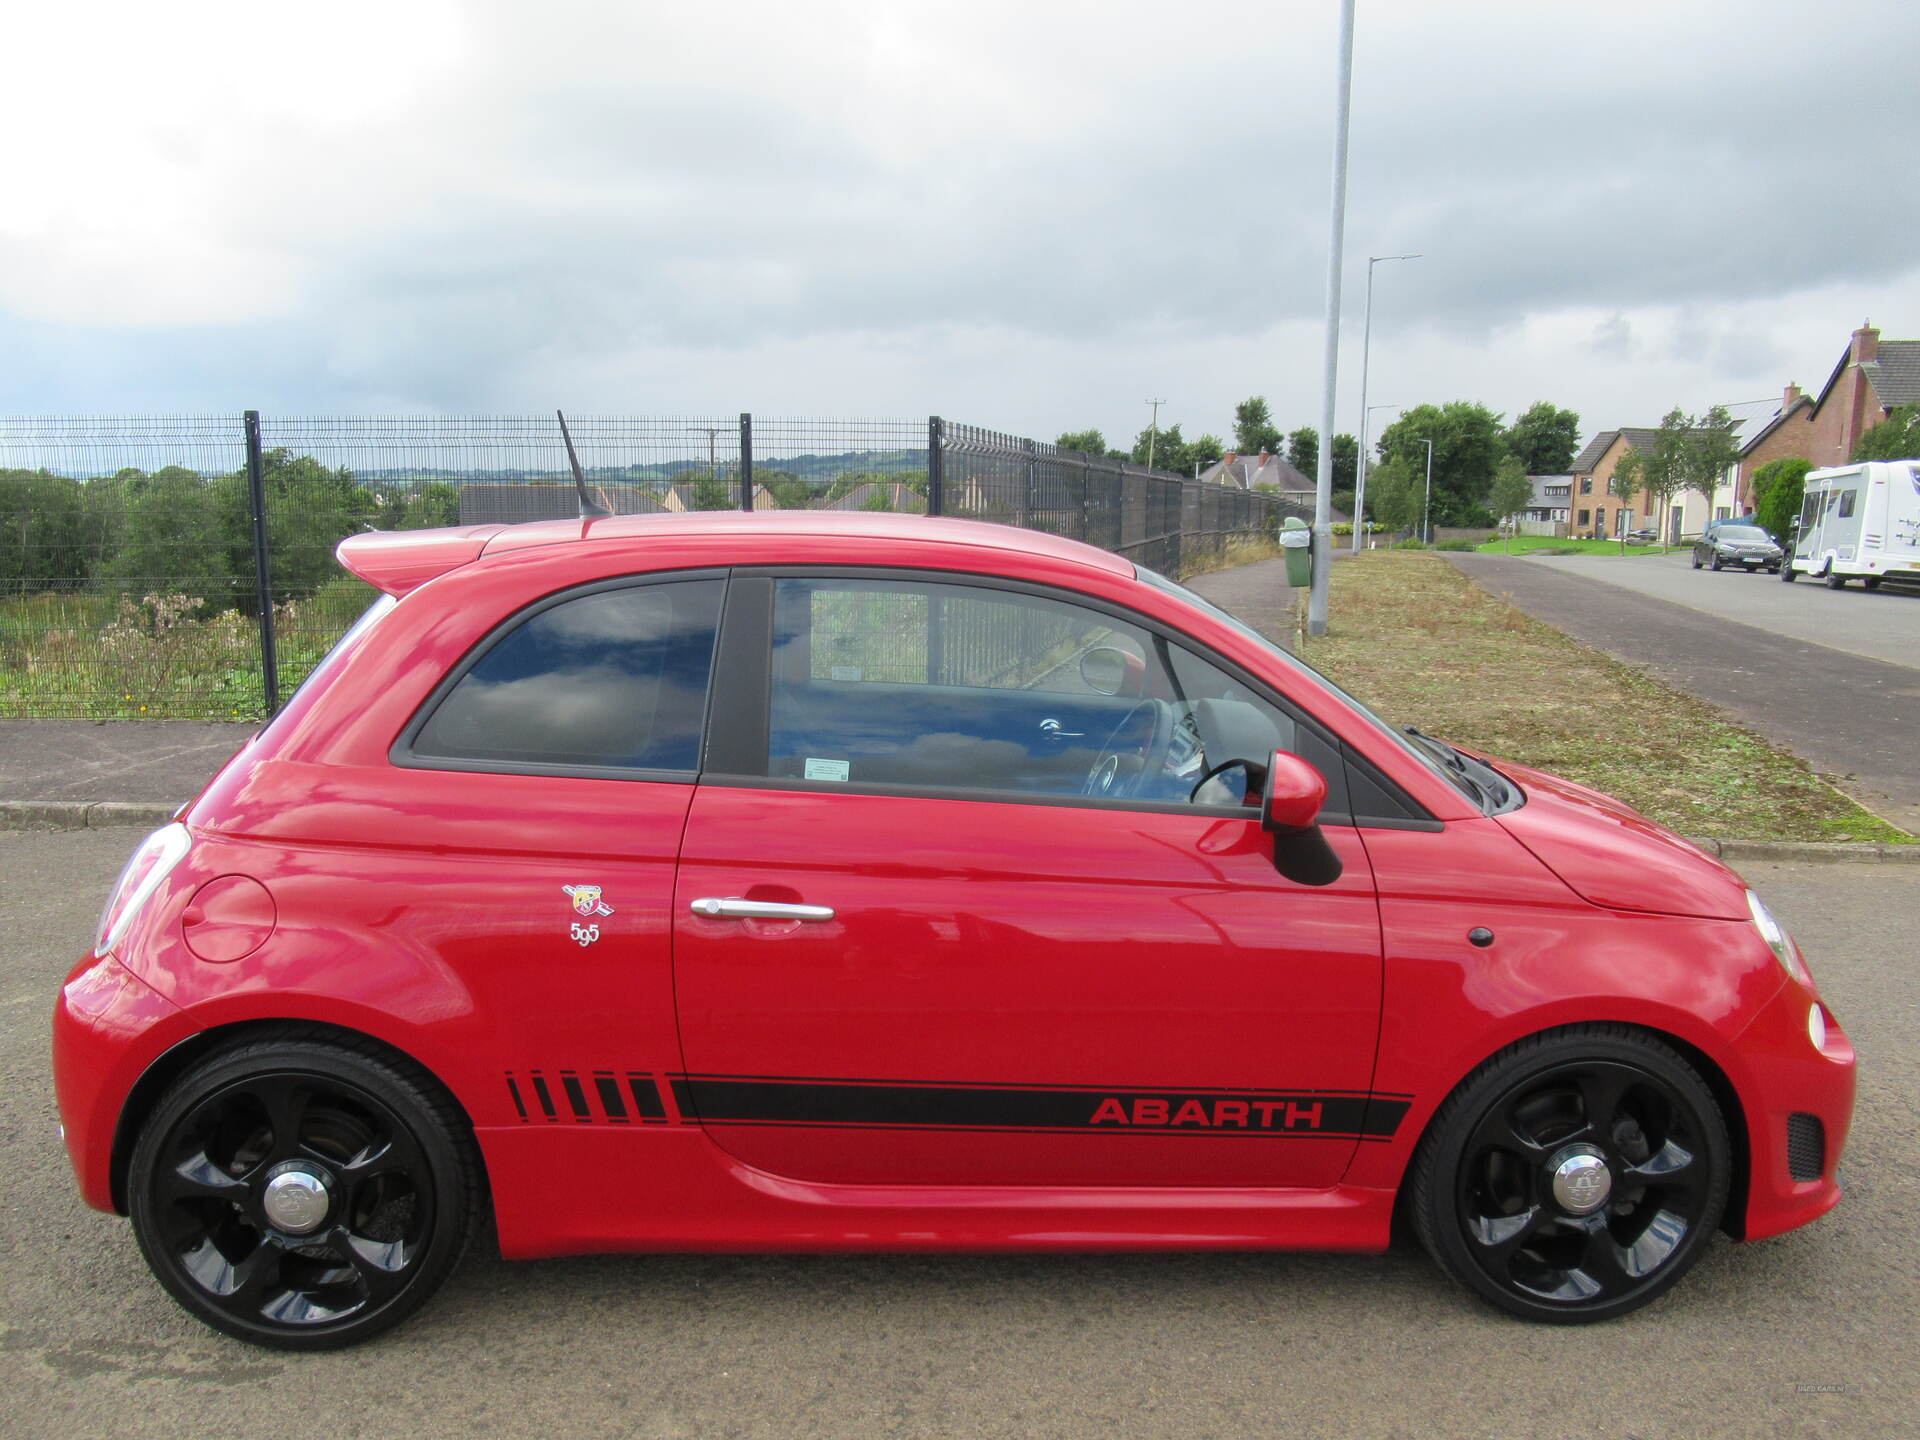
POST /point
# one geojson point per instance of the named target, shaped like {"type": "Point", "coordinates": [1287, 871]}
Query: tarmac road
{"type": "Point", "coordinates": [1850, 716]}
{"type": "Point", "coordinates": [1811, 1334]}
{"type": "Point", "coordinates": [1879, 625]}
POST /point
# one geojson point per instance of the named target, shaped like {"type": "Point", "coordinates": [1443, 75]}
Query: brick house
{"type": "Point", "coordinates": [1872, 377]}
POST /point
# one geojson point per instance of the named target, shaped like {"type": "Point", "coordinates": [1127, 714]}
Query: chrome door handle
{"type": "Point", "coordinates": [1051, 729]}
{"type": "Point", "coordinates": [732, 908]}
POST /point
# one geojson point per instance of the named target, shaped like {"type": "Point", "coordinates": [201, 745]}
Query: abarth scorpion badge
{"type": "Point", "coordinates": [587, 901]}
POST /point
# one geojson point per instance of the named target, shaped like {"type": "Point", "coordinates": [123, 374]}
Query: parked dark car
{"type": "Point", "coordinates": [1745, 545]}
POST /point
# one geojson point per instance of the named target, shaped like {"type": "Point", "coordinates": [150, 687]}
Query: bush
{"type": "Point", "coordinates": [1455, 545]}
{"type": "Point", "coordinates": [1413, 544]}
{"type": "Point", "coordinates": [1343, 529]}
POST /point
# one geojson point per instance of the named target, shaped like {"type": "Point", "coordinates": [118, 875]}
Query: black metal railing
{"type": "Point", "coordinates": [183, 566]}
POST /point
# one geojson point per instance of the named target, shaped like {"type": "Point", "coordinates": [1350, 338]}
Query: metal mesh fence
{"type": "Point", "coordinates": [129, 548]}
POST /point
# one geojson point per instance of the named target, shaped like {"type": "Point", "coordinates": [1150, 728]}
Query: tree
{"type": "Point", "coordinates": [1395, 493]}
{"type": "Point", "coordinates": [1895, 438]}
{"type": "Point", "coordinates": [1778, 488]}
{"type": "Point", "coordinates": [1168, 451]}
{"type": "Point", "coordinates": [1510, 493]}
{"type": "Point", "coordinates": [1346, 462]}
{"type": "Point", "coordinates": [1544, 439]}
{"type": "Point", "coordinates": [1466, 449]}
{"type": "Point", "coordinates": [1709, 452]}
{"type": "Point", "coordinates": [1204, 450]}
{"type": "Point", "coordinates": [1086, 442]}
{"type": "Point", "coordinates": [1629, 479]}
{"type": "Point", "coordinates": [1303, 450]}
{"type": "Point", "coordinates": [1253, 427]}
{"type": "Point", "coordinates": [42, 522]}
{"type": "Point", "coordinates": [1663, 469]}
{"type": "Point", "coordinates": [710, 492]}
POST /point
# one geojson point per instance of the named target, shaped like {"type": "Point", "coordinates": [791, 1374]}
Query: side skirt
{"type": "Point", "coordinates": [564, 1190]}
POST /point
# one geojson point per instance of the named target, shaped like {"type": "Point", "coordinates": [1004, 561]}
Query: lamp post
{"type": "Point", "coordinates": [1366, 348]}
{"type": "Point", "coordinates": [1426, 510]}
{"type": "Point", "coordinates": [1336, 254]}
{"type": "Point", "coordinates": [1360, 488]}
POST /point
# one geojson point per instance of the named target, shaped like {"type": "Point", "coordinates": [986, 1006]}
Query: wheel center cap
{"type": "Point", "coordinates": [1581, 1182]}
{"type": "Point", "coordinates": [296, 1200]}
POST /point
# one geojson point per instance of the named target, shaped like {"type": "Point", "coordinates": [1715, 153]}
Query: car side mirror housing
{"type": "Point", "coordinates": [1290, 807]}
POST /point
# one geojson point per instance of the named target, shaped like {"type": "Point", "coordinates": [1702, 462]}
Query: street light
{"type": "Point", "coordinates": [1366, 347]}
{"type": "Point", "coordinates": [1426, 510]}
{"type": "Point", "coordinates": [1360, 488]}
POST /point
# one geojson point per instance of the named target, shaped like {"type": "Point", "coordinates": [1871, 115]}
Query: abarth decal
{"type": "Point", "coordinates": [586, 899]}
{"type": "Point", "coordinates": [1312, 1114]}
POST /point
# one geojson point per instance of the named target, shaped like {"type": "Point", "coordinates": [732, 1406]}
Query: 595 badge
{"type": "Point", "coordinates": [586, 901]}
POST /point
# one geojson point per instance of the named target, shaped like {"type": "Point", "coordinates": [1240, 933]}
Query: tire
{"type": "Point", "coordinates": [380, 1212]}
{"type": "Point", "coordinates": [1714, 564]}
{"type": "Point", "coordinates": [1696, 562]}
{"type": "Point", "coordinates": [1835, 581]}
{"type": "Point", "coordinates": [1482, 1196]}
{"type": "Point", "coordinates": [1871, 582]}
{"type": "Point", "coordinates": [1787, 572]}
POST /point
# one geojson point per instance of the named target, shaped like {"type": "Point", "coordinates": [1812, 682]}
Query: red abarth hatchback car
{"type": "Point", "coordinates": [821, 882]}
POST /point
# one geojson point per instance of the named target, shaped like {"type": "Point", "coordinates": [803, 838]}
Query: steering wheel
{"type": "Point", "coordinates": [1134, 752]}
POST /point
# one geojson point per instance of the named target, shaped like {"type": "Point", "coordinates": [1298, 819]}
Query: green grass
{"type": "Point", "coordinates": [1417, 639]}
{"type": "Point", "coordinates": [1531, 544]}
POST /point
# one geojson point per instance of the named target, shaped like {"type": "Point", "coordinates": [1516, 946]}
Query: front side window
{"type": "Point", "coordinates": [612, 679]}
{"type": "Point", "coordinates": [958, 687]}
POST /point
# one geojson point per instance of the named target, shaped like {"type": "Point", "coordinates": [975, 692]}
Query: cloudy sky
{"type": "Point", "coordinates": [1026, 215]}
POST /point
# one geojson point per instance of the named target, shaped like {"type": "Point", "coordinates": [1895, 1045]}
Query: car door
{"type": "Point", "coordinates": [911, 947]}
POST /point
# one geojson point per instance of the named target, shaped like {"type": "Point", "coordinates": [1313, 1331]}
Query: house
{"type": "Point", "coordinates": [1597, 510]}
{"type": "Point", "coordinates": [1247, 471]}
{"type": "Point", "coordinates": [1549, 512]}
{"type": "Point", "coordinates": [1873, 376]}
{"type": "Point", "coordinates": [510, 502]}
{"type": "Point", "coordinates": [878, 495]}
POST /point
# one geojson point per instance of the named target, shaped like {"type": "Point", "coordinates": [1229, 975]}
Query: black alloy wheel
{"type": "Point", "coordinates": [1575, 1176]}
{"type": "Point", "coordinates": [1696, 559]}
{"type": "Point", "coordinates": [302, 1195]}
{"type": "Point", "coordinates": [1714, 564]}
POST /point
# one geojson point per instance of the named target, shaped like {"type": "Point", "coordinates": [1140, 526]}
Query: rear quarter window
{"type": "Point", "coordinates": [612, 679]}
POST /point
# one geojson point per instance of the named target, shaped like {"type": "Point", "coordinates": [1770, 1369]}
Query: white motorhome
{"type": "Point", "coordinates": [1858, 520]}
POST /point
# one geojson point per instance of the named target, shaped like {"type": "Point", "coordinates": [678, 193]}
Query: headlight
{"type": "Point", "coordinates": [1778, 941]}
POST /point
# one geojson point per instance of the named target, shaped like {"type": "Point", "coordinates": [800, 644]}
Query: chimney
{"type": "Point", "coordinates": [1866, 344]}
{"type": "Point", "coordinates": [1790, 397]}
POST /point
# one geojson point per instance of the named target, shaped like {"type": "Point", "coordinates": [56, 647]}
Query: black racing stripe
{"type": "Point", "coordinates": [1226, 1090]}
{"type": "Point", "coordinates": [514, 1090]}
{"type": "Point", "coordinates": [545, 1097]}
{"type": "Point", "coordinates": [1270, 1113]}
{"type": "Point", "coordinates": [610, 1100]}
{"type": "Point", "coordinates": [576, 1096]}
{"type": "Point", "coordinates": [1163, 1132]}
{"type": "Point", "coordinates": [646, 1099]}
{"type": "Point", "coordinates": [683, 1098]}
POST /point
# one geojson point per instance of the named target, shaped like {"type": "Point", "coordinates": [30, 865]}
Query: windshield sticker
{"type": "Point", "coordinates": [828, 769]}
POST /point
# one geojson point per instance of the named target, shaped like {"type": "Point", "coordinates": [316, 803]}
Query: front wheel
{"type": "Point", "coordinates": [1872, 582]}
{"type": "Point", "coordinates": [1786, 571]}
{"type": "Point", "coordinates": [1714, 564]}
{"type": "Point", "coordinates": [302, 1195]}
{"type": "Point", "coordinates": [1573, 1177]}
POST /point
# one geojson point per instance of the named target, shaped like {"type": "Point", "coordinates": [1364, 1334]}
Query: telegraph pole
{"type": "Point", "coordinates": [1366, 353]}
{"type": "Point", "coordinates": [1153, 429]}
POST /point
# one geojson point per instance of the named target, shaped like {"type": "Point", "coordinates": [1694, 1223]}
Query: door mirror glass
{"type": "Point", "coordinates": [1295, 793]}
{"type": "Point", "coordinates": [1109, 670]}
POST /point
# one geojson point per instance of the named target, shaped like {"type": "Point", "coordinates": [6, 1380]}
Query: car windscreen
{"type": "Point", "coordinates": [1742, 534]}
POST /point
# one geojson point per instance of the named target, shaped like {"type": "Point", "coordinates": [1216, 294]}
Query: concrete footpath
{"type": "Point", "coordinates": [1850, 717]}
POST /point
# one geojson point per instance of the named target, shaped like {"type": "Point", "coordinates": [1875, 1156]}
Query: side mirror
{"type": "Point", "coordinates": [1295, 793]}
{"type": "Point", "coordinates": [1109, 670]}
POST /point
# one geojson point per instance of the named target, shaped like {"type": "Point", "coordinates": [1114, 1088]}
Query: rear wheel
{"type": "Point", "coordinates": [1872, 582]}
{"type": "Point", "coordinates": [1696, 562]}
{"type": "Point", "coordinates": [1786, 572]}
{"type": "Point", "coordinates": [1835, 581]}
{"type": "Point", "coordinates": [302, 1195]}
{"type": "Point", "coordinates": [1575, 1176]}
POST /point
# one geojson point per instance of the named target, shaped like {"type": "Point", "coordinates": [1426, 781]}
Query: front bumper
{"type": "Point", "coordinates": [1787, 1077]}
{"type": "Point", "coordinates": [109, 1026]}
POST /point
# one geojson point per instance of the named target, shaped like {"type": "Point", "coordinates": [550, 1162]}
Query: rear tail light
{"type": "Point", "coordinates": [151, 863]}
